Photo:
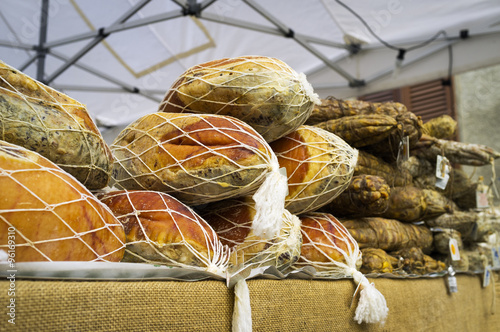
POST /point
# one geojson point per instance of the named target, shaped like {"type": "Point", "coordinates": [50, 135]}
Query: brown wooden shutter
{"type": "Point", "coordinates": [428, 100]}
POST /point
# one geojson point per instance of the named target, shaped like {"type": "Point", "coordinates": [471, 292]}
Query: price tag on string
{"type": "Point", "coordinates": [404, 150]}
{"type": "Point", "coordinates": [495, 254]}
{"type": "Point", "coordinates": [443, 168]}
{"type": "Point", "coordinates": [452, 281]}
{"type": "Point", "coordinates": [487, 276]}
{"type": "Point", "coordinates": [454, 252]}
{"type": "Point", "coordinates": [482, 198]}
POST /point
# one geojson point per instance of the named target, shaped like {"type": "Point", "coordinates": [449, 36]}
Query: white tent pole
{"type": "Point", "coordinates": [95, 41]}
{"type": "Point", "coordinates": [409, 62]}
{"type": "Point", "coordinates": [42, 38]}
{"type": "Point", "coordinates": [240, 24]}
{"type": "Point", "coordinates": [125, 86]}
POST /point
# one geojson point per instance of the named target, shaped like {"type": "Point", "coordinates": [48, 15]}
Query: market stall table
{"type": "Point", "coordinates": [421, 304]}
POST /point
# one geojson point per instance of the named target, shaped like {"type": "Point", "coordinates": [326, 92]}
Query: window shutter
{"type": "Point", "coordinates": [428, 100]}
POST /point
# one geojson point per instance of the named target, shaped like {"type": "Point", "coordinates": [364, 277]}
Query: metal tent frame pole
{"type": "Point", "coordinates": [124, 86]}
{"type": "Point", "coordinates": [95, 41]}
{"type": "Point", "coordinates": [196, 8]}
{"type": "Point", "coordinates": [41, 51]}
{"type": "Point", "coordinates": [191, 7]}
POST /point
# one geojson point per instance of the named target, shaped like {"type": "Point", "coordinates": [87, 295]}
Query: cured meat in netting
{"type": "Point", "coordinates": [264, 92]}
{"type": "Point", "coordinates": [333, 252]}
{"type": "Point", "coordinates": [162, 230]}
{"type": "Point", "coordinates": [232, 220]}
{"type": "Point", "coordinates": [319, 167]}
{"type": "Point", "coordinates": [50, 215]}
{"type": "Point", "coordinates": [44, 120]}
{"type": "Point", "coordinates": [201, 159]}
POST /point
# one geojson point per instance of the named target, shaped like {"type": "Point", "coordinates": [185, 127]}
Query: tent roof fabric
{"type": "Point", "coordinates": [119, 57]}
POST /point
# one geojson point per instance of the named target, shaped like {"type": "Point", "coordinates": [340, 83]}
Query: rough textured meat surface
{"type": "Point", "coordinates": [162, 230]}
{"type": "Point", "coordinates": [361, 130]}
{"type": "Point", "coordinates": [52, 215]}
{"type": "Point", "coordinates": [232, 221]}
{"type": "Point", "coordinates": [373, 165]}
{"type": "Point", "coordinates": [319, 166]}
{"type": "Point", "coordinates": [44, 120]}
{"type": "Point", "coordinates": [264, 92]}
{"type": "Point", "coordinates": [327, 244]}
{"type": "Point", "coordinates": [406, 204]}
{"type": "Point", "coordinates": [196, 158]}
{"type": "Point", "coordinates": [462, 153]}
{"type": "Point", "coordinates": [366, 196]}
{"type": "Point", "coordinates": [414, 261]}
{"type": "Point", "coordinates": [443, 127]}
{"type": "Point", "coordinates": [376, 260]}
{"type": "Point", "coordinates": [388, 234]}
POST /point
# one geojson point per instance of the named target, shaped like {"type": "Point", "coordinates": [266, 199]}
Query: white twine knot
{"type": "Point", "coordinates": [270, 203]}
{"type": "Point", "coordinates": [372, 307]}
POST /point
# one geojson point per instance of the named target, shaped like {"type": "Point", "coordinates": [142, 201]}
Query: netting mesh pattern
{"type": "Point", "coordinates": [264, 92]}
{"type": "Point", "coordinates": [44, 120]}
{"type": "Point", "coordinates": [232, 220]}
{"type": "Point", "coordinates": [50, 215]}
{"type": "Point", "coordinates": [162, 230]}
{"type": "Point", "coordinates": [196, 158]}
{"type": "Point", "coordinates": [319, 166]}
{"type": "Point", "coordinates": [327, 246]}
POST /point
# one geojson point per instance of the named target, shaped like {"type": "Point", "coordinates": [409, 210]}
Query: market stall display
{"type": "Point", "coordinates": [242, 174]}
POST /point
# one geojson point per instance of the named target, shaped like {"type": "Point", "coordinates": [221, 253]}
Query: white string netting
{"type": "Point", "coordinates": [51, 215]}
{"type": "Point", "coordinates": [333, 252]}
{"type": "Point", "coordinates": [201, 159]}
{"type": "Point", "coordinates": [264, 92]}
{"type": "Point", "coordinates": [162, 230]}
{"type": "Point", "coordinates": [319, 165]}
{"type": "Point", "coordinates": [232, 221]}
{"type": "Point", "coordinates": [44, 120]}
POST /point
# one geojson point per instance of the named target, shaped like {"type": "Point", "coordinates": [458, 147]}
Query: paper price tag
{"type": "Point", "coordinates": [495, 254]}
{"type": "Point", "coordinates": [487, 276]}
{"type": "Point", "coordinates": [452, 284]}
{"type": "Point", "coordinates": [404, 149]}
{"type": "Point", "coordinates": [455, 253]}
{"type": "Point", "coordinates": [482, 199]}
{"type": "Point", "coordinates": [443, 168]}
{"type": "Point", "coordinates": [451, 281]}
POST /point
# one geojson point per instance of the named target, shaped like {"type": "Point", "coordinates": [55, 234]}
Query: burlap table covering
{"type": "Point", "coordinates": [277, 305]}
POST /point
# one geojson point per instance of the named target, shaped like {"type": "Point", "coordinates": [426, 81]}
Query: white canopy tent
{"type": "Point", "coordinates": [119, 57]}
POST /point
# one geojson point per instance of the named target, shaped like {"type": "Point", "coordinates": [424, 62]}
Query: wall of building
{"type": "Point", "coordinates": [477, 98]}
